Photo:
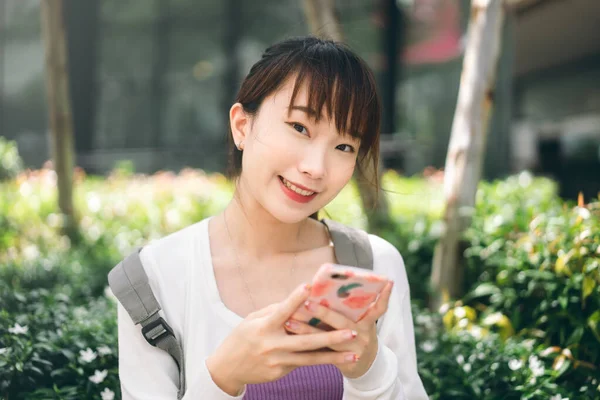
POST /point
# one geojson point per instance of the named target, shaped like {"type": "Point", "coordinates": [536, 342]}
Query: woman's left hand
{"type": "Point", "coordinates": [365, 343]}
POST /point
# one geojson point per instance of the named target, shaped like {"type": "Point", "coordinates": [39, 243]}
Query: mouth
{"type": "Point", "coordinates": [297, 192]}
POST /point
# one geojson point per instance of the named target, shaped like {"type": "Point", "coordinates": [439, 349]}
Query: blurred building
{"type": "Point", "coordinates": [152, 81]}
{"type": "Point", "coordinates": [556, 120]}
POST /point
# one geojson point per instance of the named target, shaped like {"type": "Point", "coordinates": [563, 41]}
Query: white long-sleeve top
{"type": "Point", "coordinates": [180, 273]}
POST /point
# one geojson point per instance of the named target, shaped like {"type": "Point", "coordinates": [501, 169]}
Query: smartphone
{"type": "Point", "coordinates": [347, 290]}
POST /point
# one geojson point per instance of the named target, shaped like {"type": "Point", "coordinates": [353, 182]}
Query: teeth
{"type": "Point", "coordinates": [296, 189]}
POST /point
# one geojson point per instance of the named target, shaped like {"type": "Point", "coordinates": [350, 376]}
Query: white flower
{"type": "Point", "coordinates": [173, 218]}
{"type": "Point", "coordinates": [444, 308]}
{"type": "Point", "coordinates": [459, 312]}
{"type": "Point", "coordinates": [31, 252]}
{"type": "Point", "coordinates": [4, 350]}
{"type": "Point", "coordinates": [107, 394]}
{"type": "Point", "coordinates": [98, 376]}
{"type": "Point", "coordinates": [419, 228]}
{"type": "Point", "coordinates": [413, 246]}
{"type": "Point", "coordinates": [536, 366]}
{"type": "Point", "coordinates": [460, 359]}
{"type": "Point", "coordinates": [525, 179]}
{"type": "Point", "coordinates": [18, 329]}
{"type": "Point", "coordinates": [477, 333]}
{"type": "Point", "coordinates": [583, 212]}
{"type": "Point", "coordinates": [556, 397]}
{"type": "Point", "coordinates": [93, 202]}
{"type": "Point", "coordinates": [529, 343]}
{"type": "Point", "coordinates": [104, 350]}
{"type": "Point", "coordinates": [467, 368]}
{"type": "Point", "coordinates": [437, 229]}
{"type": "Point", "coordinates": [515, 364]}
{"type": "Point", "coordinates": [25, 189]}
{"type": "Point", "coordinates": [87, 356]}
{"type": "Point", "coordinates": [428, 346]}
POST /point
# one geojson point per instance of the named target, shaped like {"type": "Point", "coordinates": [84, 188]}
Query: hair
{"type": "Point", "coordinates": [339, 82]}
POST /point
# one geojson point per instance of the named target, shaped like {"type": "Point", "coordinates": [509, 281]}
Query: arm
{"type": "Point", "coordinates": [150, 373]}
{"type": "Point", "coordinates": [393, 375]}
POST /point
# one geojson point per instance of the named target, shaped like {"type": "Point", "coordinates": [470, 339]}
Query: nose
{"type": "Point", "coordinates": [313, 163]}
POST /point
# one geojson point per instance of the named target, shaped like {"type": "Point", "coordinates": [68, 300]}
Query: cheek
{"type": "Point", "coordinates": [344, 172]}
{"type": "Point", "coordinates": [272, 142]}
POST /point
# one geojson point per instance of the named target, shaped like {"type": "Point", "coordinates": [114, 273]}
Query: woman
{"type": "Point", "coordinates": [306, 116]}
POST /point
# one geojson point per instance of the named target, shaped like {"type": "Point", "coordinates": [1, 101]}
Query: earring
{"type": "Point", "coordinates": [240, 146]}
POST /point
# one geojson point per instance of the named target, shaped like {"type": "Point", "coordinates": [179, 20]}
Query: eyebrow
{"type": "Point", "coordinates": [307, 110]}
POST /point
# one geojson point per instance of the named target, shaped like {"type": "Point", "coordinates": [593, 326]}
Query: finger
{"type": "Point", "coordinates": [300, 328]}
{"type": "Point", "coordinates": [329, 316]}
{"type": "Point", "coordinates": [381, 305]}
{"type": "Point", "coordinates": [315, 341]}
{"type": "Point", "coordinates": [263, 311]}
{"type": "Point", "coordinates": [289, 306]}
{"type": "Point", "coordinates": [320, 357]}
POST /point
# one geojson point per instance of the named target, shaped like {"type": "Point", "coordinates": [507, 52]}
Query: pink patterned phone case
{"type": "Point", "coordinates": [347, 290]}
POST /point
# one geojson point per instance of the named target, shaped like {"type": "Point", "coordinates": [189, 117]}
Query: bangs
{"type": "Point", "coordinates": [342, 86]}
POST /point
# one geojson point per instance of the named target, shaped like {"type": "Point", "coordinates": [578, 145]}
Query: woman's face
{"type": "Point", "coordinates": [292, 165]}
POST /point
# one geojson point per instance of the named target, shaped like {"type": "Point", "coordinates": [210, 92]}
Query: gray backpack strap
{"type": "Point", "coordinates": [129, 283]}
{"type": "Point", "coordinates": [352, 246]}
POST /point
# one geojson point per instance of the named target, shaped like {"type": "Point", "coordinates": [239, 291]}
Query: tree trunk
{"type": "Point", "coordinates": [59, 108]}
{"type": "Point", "coordinates": [324, 22]}
{"type": "Point", "coordinates": [467, 145]}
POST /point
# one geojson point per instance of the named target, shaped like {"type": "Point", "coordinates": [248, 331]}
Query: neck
{"type": "Point", "coordinates": [257, 234]}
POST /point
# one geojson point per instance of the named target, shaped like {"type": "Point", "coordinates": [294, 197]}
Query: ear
{"type": "Point", "coordinates": [240, 124]}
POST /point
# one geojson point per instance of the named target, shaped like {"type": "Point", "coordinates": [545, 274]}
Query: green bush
{"type": "Point", "coordinates": [473, 364]}
{"type": "Point", "coordinates": [537, 261]}
{"type": "Point", "coordinates": [52, 347]}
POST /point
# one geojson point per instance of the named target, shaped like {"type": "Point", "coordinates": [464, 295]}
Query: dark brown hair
{"type": "Point", "coordinates": [339, 82]}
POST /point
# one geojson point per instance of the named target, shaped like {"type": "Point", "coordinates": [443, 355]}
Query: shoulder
{"type": "Point", "coordinates": [167, 260]}
{"type": "Point", "coordinates": [388, 261]}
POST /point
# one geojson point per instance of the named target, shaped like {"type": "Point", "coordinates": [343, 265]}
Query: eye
{"type": "Point", "coordinates": [346, 148]}
{"type": "Point", "coordinates": [299, 128]}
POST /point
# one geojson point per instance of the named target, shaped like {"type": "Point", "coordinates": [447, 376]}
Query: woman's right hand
{"type": "Point", "coordinates": [260, 350]}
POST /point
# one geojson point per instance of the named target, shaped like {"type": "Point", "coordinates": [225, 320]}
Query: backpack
{"type": "Point", "coordinates": [129, 283]}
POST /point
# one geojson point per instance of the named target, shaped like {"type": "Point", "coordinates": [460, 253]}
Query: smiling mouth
{"type": "Point", "coordinates": [296, 189]}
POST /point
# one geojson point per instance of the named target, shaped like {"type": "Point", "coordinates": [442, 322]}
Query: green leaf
{"type": "Point", "coordinates": [593, 322]}
{"type": "Point", "coordinates": [562, 262]}
{"type": "Point", "coordinates": [576, 336]}
{"type": "Point", "coordinates": [563, 301]}
{"type": "Point", "coordinates": [37, 370]}
{"type": "Point", "coordinates": [20, 297]}
{"type": "Point", "coordinates": [484, 289]}
{"type": "Point", "coordinates": [589, 284]}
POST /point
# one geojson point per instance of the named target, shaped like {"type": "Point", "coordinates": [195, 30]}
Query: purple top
{"type": "Point", "coordinates": [319, 382]}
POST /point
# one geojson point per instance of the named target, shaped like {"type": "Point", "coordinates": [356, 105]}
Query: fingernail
{"type": "Point", "coordinates": [351, 358]}
{"type": "Point", "coordinates": [350, 334]}
{"type": "Point", "coordinates": [291, 325]}
{"type": "Point", "coordinates": [310, 306]}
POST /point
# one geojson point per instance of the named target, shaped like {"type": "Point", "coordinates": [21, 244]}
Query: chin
{"type": "Point", "coordinates": [290, 217]}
